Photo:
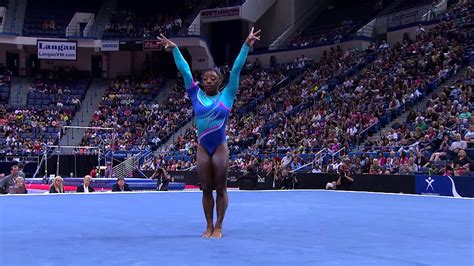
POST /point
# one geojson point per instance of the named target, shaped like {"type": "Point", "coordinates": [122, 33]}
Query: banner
{"type": "Point", "coordinates": [134, 45]}
{"type": "Point", "coordinates": [407, 16]}
{"type": "Point", "coordinates": [152, 45]}
{"type": "Point", "coordinates": [216, 14]}
{"type": "Point", "coordinates": [57, 50]}
{"type": "Point", "coordinates": [456, 186]}
{"type": "Point", "coordinates": [109, 46]}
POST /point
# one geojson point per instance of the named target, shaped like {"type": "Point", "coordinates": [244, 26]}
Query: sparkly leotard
{"type": "Point", "coordinates": [211, 112]}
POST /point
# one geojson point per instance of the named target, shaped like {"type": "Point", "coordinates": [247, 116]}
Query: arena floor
{"type": "Point", "coordinates": [261, 228]}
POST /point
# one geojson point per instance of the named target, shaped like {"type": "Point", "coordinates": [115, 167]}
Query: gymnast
{"type": "Point", "coordinates": [212, 108]}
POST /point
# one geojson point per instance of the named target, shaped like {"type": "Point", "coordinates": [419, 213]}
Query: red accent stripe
{"type": "Point", "coordinates": [223, 105]}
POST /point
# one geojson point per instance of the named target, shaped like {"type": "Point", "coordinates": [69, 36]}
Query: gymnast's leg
{"type": "Point", "coordinates": [204, 171]}
{"type": "Point", "coordinates": [220, 164]}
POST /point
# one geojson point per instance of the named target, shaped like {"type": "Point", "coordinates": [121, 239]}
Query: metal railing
{"type": "Point", "coordinates": [338, 152]}
{"type": "Point", "coordinates": [368, 30]}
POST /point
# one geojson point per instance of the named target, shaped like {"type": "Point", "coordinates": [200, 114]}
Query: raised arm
{"type": "Point", "coordinates": [181, 64]}
{"type": "Point", "coordinates": [240, 61]}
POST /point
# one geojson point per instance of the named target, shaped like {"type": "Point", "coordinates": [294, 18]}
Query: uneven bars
{"type": "Point", "coordinates": [78, 127]}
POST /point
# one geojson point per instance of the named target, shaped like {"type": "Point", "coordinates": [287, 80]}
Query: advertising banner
{"type": "Point", "coordinates": [151, 45]}
{"type": "Point", "coordinates": [218, 14]}
{"type": "Point", "coordinates": [57, 50]}
{"type": "Point", "coordinates": [455, 186]}
{"type": "Point", "coordinates": [407, 16]}
{"type": "Point", "coordinates": [133, 45]}
{"type": "Point", "coordinates": [109, 46]}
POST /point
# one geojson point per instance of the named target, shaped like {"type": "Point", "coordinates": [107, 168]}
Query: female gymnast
{"type": "Point", "coordinates": [212, 108]}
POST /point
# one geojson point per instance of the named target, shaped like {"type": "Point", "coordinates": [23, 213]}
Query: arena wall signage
{"type": "Point", "coordinates": [109, 46]}
{"type": "Point", "coordinates": [407, 16]}
{"type": "Point", "coordinates": [217, 14]}
{"type": "Point", "coordinates": [133, 45]}
{"type": "Point", "coordinates": [57, 50]}
{"type": "Point", "coordinates": [151, 45]}
{"type": "Point", "coordinates": [453, 186]}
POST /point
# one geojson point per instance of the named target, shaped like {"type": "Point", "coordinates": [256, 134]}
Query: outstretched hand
{"type": "Point", "coordinates": [165, 41]}
{"type": "Point", "coordinates": [253, 36]}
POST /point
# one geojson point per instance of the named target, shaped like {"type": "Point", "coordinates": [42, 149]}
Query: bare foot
{"type": "Point", "coordinates": [207, 233]}
{"type": "Point", "coordinates": [217, 233]}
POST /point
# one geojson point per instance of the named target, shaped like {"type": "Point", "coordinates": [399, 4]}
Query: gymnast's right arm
{"type": "Point", "coordinates": [182, 65]}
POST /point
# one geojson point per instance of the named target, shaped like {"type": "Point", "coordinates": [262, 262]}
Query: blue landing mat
{"type": "Point", "coordinates": [261, 228]}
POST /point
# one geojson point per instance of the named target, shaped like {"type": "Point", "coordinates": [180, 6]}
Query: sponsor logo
{"type": "Point", "coordinates": [220, 12]}
{"type": "Point", "coordinates": [430, 182]}
{"type": "Point", "coordinates": [56, 50]}
{"type": "Point", "coordinates": [151, 45]}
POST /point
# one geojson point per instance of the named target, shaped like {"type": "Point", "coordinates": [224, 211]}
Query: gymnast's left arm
{"type": "Point", "coordinates": [240, 61]}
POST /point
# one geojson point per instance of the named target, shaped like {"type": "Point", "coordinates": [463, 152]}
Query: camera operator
{"type": "Point", "coordinates": [344, 180]}
{"type": "Point", "coordinates": [252, 172]}
{"type": "Point", "coordinates": [163, 179]}
{"type": "Point", "coordinates": [289, 180]}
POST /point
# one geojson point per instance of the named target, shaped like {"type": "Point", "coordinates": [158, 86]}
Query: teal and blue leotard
{"type": "Point", "coordinates": [211, 112]}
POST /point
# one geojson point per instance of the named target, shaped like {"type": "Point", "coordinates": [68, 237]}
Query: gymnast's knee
{"type": "Point", "coordinates": [221, 190]}
{"type": "Point", "coordinates": [206, 190]}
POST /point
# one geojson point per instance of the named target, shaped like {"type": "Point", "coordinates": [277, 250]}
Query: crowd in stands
{"type": "Point", "coordinates": [59, 94]}
{"type": "Point", "coordinates": [435, 139]}
{"type": "Point", "coordinates": [50, 18]}
{"type": "Point", "coordinates": [125, 23]}
{"type": "Point", "coordinates": [132, 23]}
{"type": "Point", "coordinates": [53, 99]}
{"type": "Point", "coordinates": [340, 20]}
{"type": "Point", "coordinates": [60, 87]}
{"type": "Point", "coordinates": [24, 130]}
{"type": "Point", "coordinates": [332, 107]}
{"type": "Point", "coordinates": [342, 30]}
{"type": "Point", "coordinates": [141, 123]}
{"type": "Point", "coordinates": [337, 118]}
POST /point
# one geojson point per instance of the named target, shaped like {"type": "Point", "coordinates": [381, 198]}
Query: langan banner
{"type": "Point", "coordinates": [57, 50]}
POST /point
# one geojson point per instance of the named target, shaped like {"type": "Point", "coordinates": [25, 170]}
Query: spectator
{"type": "Point", "coordinates": [285, 161]}
{"type": "Point", "coordinates": [9, 180]}
{"type": "Point", "coordinates": [120, 185]}
{"type": "Point", "coordinates": [163, 179]}
{"type": "Point", "coordinates": [57, 185]}
{"type": "Point", "coordinates": [457, 145]}
{"type": "Point", "coordinates": [21, 166]}
{"type": "Point", "coordinates": [469, 137]}
{"type": "Point", "coordinates": [19, 187]}
{"type": "Point", "coordinates": [443, 149]}
{"type": "Point", "coordinates": [463, 163]}
{"type": "Point", "coordinates": [93, 172]}
{"type": "Point", "coordinates": [86, 187]}
{"type": "Point", "coordinates": [289, 180]}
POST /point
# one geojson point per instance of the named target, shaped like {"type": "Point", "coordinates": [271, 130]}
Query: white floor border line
{"type": "Point", "coordinates": [234, 191]}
